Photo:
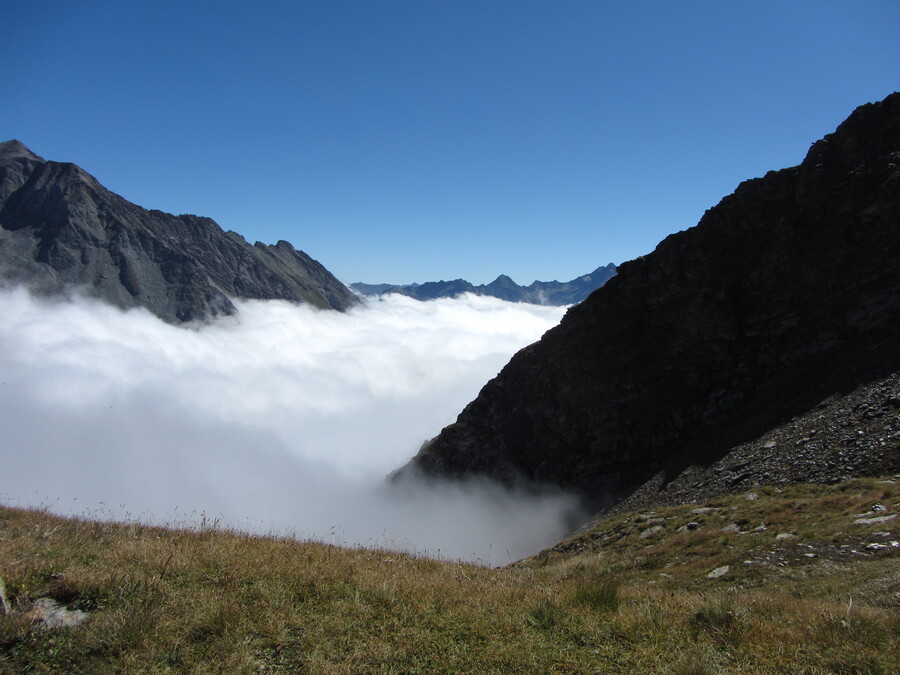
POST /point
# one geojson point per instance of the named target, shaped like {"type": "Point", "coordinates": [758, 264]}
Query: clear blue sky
{"type": "Point", "coordinates": [410, 141]}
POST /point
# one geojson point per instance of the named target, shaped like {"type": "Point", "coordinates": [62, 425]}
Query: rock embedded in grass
{"type": "Point", "coordinates": [51, 614]}
{"type": "Point", "coordinates": [719, 572]}
{"type": "Point", "coordinates": [876, 519]}
{"type": "Point", "coordinates": [650, 531]}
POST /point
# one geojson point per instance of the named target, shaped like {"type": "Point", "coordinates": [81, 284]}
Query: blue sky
{"type": "Point", "coordinates": [413, 141]}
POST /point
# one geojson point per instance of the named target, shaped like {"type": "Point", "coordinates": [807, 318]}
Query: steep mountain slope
{"type": "Point", "coordinates": [555, 293]}
{"type": "Point", "coordinates": [785, 294]}
{"type": "Point", "coordinates": [59, 228]}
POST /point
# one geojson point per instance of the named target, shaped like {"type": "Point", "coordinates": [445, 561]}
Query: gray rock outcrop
{"type": "Point", "coordinates": [60, 230]}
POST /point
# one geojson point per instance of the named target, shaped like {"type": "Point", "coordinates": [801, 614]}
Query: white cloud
{"type": "Point", "coordinates": [282, 419]}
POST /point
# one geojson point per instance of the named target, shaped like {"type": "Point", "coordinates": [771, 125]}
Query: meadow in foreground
{"type": "Point", "coordinates": [808, 589]}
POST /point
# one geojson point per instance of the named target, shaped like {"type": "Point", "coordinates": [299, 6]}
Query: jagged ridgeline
{"type": "Point", "coordinates": [538, 292]}
{"type": "Point", "coordinates": [61, 229]}
{"type": "Point", "coordinates": [785, 294]}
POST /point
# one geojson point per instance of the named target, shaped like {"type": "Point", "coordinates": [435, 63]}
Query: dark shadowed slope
{"type": "Point", "coordinates": [556, 293]}
{"type": "Point", "coordinates": [59, 228]}
{"type": "Point", "coordinates": [786, 293]}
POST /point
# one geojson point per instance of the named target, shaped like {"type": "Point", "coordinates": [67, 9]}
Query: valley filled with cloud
{"type": "Point", "coordinates": [282, 419]}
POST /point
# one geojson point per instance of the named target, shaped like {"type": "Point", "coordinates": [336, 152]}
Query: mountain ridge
{"type": "Point", "coordinates": [785, 293]}
{"type": "Point", "coordinates": [60, 228]}
{"type": "Point", "coordinates": [555, 293]}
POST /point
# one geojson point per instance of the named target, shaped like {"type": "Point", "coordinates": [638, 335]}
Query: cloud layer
{"type": "Point", "coordinates": [284, 419]}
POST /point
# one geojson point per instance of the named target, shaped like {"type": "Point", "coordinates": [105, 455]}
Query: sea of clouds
{"type": "Point", "coordinates": [281, 420]}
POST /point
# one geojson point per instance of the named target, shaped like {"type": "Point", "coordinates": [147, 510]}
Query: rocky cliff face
{"type": "Point", "coordinates": [785, 294]}
{"type": "Point", "coordinates": [59, 228]}
{"type": "Point", "coordinates": [555, 293]}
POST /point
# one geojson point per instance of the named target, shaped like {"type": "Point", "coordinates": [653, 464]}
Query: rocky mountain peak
{"type": "Point", "coordinates": [60, 228]}
{"type": "Point", "coordinates": [15, 149]}
{"type": "Point", "coordinates": [786, 293]}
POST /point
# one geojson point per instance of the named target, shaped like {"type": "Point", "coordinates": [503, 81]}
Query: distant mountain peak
{"type": "Point", "coordinates": [538, 292]}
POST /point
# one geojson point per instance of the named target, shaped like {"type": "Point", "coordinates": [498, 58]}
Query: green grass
{"type": "Point", "coordinates": [605, 600]}
{"type": "Point", "coordinates": [601, 595]}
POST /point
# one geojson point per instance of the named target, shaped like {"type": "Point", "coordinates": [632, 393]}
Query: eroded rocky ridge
{"type": "Point", "coordinates": [556, 293]}
{"type": "Point", "coordinates": [785, 295]}
{"type": "Point", "coordinates": [60, 229]}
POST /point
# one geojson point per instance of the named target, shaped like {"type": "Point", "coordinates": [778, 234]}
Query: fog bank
{"type": "Point", "coordinates": [283, 419]}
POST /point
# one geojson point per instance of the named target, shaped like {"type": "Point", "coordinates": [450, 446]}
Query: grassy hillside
{"type": "Point", "coordinates": [629, 594]}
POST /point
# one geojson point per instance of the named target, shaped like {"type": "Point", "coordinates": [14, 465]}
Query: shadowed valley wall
{"type": "Point", "coordinates": [786, 292]}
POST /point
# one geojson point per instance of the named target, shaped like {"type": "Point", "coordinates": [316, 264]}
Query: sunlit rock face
{"type": "Point", "coordinates": [785, 293]}
{"type": "Point", "coordinates": [60, 229]}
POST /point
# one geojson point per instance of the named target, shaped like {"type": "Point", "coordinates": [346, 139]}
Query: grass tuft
{"type": "Point", "coordinates": [215, 621]}
{"type": "Point", "coordinates": [601, 595]}
{"type": "Point", "coordinates": [694, 663]}
{"type": "Point", "coordinates": [720, 616]}
{"type": "Point", "coordinates": [546, 616]}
